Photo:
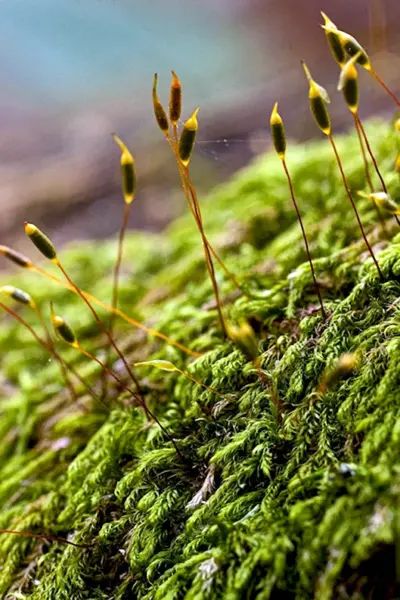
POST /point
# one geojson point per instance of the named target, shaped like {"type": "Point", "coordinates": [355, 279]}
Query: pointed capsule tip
{"type": "Point", "coordinates": [119, 142]}
{"type": "Point", "coordinates": [275, 116]}
{"type": "Point", "coordinates": [328, 25]}
{"type": "Point", "coordinates": [175, 78]}
{"type": "Point", "coordinates": [306, 70]}
{"type": "Point", "coordinates": [30, 228]}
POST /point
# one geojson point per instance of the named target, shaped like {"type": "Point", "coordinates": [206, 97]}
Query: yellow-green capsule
{"type": "Point", "coordinates": [128, 172]}
{"type": "Point", "coordinates": [16, 257]}
{"type": "Point", "coordinates": [397, 125]}
{"type": "Point", "coordinates": [318, 97]}
{"type": "Point", "coordinates": [188, 138]}
{"type": "Point", "coordinates": [17, 295]}
{"type": "Point", "coordinates": [245, 339]}
{"type": "Point", "coordinates": [64, 330]}
{"type": "Point", "coordinates": [348, 84]}
{"type": "Point", "coordinates": [383, 200]}
{"type": "Point", "coordinates": [353, 47]}
{"type": "Point", "coordinates": [41, 241]}
{"type": "Point", "coordinates": [278, 132]}
{"type": "Point", "coordinates": [397, 164]}
{"type": "Point", "coordinates": [333, 39]}
{"type": "Point", "coordinates": [343, 367]}
{"type": "Point", "coordinates": [159, 112]}
{"type": "Point", "coordinates": [175, 99]}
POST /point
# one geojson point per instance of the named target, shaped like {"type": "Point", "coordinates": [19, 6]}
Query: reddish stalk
{"type": "Point", "coordinates": [140, 401]}
{"type": "Point", "coordinates": [364, 134]}
{"type": "Point", "coordinates": [117, 267]}
{"type": "Point", "coordinates": [52, 351]}
{"type": "Point", "coordinates": [304, 236]}
{"type": "Point", "coordinates": [367, 173]}
{"type": "Point", "coordinates": [44, 537]}
{"type": "Point", "coordinates": [116, 311]}
{"type": "Point", "coordinates": [99, 322]}
{"type": "Point", "coordinates": [339, 162]}
{"type": "Point", "coordinates": [385, 87]}
{"type": "Point", "coordinates": [208, 259]}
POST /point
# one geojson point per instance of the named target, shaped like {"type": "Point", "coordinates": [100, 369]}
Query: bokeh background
{"type": "Point", "coordinates": [73, 71]}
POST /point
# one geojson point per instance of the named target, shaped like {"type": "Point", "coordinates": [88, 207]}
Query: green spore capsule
{"type": "Point", "coordinates": [318, 97]}
{"type": "Point", "coordinates": [352, 47]}
{"type": "Point", "coordinates": [16, 294]}
{"type": "Point", "coordinates": [41, 241]}
{"type": "Point", "coordinates": [175, 99]}
{"type": "Point", "coordinates": [333, 39]}
{"type": "Point", "coordinates": [348, 84]}
{"type": "Point", "coordinates": [383, 200]}
{"type": "Point", "coordinates": [128, 172]}
{"type": "Point", "coordinates": [344, 366]}
{"type": "Point", "coordinates": [63, 330]}
{"type": "Point", "coordinates": [16, 257]}
{"type": "Point", "coordinates": [244, 338]}
{"type": "Point", "coordinates": [159, 112]}
{"type": "Point", "coordinates": [188, 138]}
{"type": "Point", "coordinates": [278, 132]}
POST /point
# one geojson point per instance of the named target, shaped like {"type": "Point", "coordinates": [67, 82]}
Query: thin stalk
{"type": "Point", "coordinates": [339, 162]}
{"type": "Point", "coordinates": [364, 134]}
{"type": "Point", "coordinates": [115, 311]}
{"type": "Point", "coordinates": [140, 401]}
{"type": "Point", "coordinates": [367, 173]}
{"type": "Point", "coordinates": [42, 536]}
{"type": "Point", "coordinates": [194, 205]}
{"type": "Point", "coordinates": [263, 378]}
{"type": "Point", "coordinates": [289, 179]}
{"type": "Point", "coordinates": [117, 267]}
{"type": "Point", "coordinates": [52, 351]}
{"type": "Point", "coordinates": [209, 263]}
{"type": "Point", "coordinates": [100, 324]}
{"type": "Point", "coordinates": [195, 380]}
{"type": "Point", "coordinates": [197, 214]}
{"type": "Point", "coordinates": [52, 348]}
{"type": "Point", "coordinates": [385, 87]}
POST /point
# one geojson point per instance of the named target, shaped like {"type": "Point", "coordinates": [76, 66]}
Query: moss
{"type": "Point", "coordinates": [305, 506]}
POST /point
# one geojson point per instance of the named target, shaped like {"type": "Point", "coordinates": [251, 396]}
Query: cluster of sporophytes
{"type": "Point", "coordinates": [246, 445]}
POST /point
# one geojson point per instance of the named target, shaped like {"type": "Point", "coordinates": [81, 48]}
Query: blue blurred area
{"type": "Point", "coordinates": [54, 53]}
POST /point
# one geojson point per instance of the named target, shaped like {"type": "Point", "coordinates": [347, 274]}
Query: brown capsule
{"type": "Point", "coordinates": [333, 39]}
{"type": "Point", "coordinates": [17, 294]}
{"type": "Point", "coordinates": [318, 97]}
{"type": "Point", "coordinates": [348, 84]}
{"type": "Point", "coordinates": [63, 329]}
{"type": "Point", "coordinates": [128, 172]}
{"type": "Point", "coordinates": [278, 132]}
{"type": "Point", "coordinates": [188, 138]}
{"type": "Point", "coordinates": [41, 241]}
{"type": "Point", "coordinates": [16, 257]}
{"type": "Point", "coordinates": [175, 99]}
{"type": "Point", "coordinates": [159, 112]}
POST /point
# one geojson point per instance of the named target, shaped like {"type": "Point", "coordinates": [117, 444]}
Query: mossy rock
{"type": "Point", "coordinates": [297, 503]}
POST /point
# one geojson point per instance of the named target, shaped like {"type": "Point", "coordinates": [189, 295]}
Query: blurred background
{"type": "Point", "coordinates": [73, 71]}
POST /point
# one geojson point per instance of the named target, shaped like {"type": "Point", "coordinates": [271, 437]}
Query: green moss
{"type": "Point", "coordinates": [305, 506]}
